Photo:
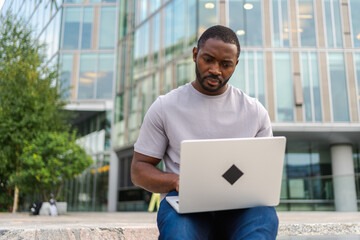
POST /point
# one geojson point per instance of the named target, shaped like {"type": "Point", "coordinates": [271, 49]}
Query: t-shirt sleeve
{"type": "Point", "coordinates": [152, 140]}
{"type": "Point", "coordinates": [265, 129]}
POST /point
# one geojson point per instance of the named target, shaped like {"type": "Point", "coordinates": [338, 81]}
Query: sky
{"type": "Point", "coordinates": [1, 3]}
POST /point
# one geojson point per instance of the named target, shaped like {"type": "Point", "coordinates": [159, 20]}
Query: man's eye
{"type": "Point", "coordinates": [208, 60]}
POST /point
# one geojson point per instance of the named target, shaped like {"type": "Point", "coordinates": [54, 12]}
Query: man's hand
{"type": "Point", "coordinates": [145, 174]}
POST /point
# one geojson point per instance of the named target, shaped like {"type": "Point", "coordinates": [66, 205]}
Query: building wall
{"type": "Point", "coordinates": [299, 58]}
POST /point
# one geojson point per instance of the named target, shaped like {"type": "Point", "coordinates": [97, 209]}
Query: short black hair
{"type": "Point", "coordinates": [222, 33]}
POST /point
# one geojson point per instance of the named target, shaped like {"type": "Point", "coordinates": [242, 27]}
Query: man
{"type": "Point", "coordinates": [206, 108]}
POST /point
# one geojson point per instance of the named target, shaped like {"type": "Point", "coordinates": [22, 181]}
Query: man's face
{"type": "Point", "coordinates": [215, 63]}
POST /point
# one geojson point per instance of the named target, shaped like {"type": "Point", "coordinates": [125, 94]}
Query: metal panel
{"type": "Point", "coordinates": [351, 84]}
{"type": "Point", "coordinates": [346, 23]}
{"type": "Point", "coordinates": [320, 23]}
{"type": "Point", "coordinates": [270, 98]}
{"type": "Point", "coordinates": [324, 83]}
{"type": "Point", "coordinates": [267, 23]}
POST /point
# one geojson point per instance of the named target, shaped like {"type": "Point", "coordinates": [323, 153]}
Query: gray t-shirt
{"type": "Point", "coordinates": [186, 114]}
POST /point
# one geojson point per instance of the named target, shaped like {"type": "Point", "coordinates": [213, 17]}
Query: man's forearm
{"type": "Point", "coordinates": [152, 179]}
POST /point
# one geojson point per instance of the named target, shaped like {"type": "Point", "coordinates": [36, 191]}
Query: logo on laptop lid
{"type": "Point", "coordinates": [232, 174]}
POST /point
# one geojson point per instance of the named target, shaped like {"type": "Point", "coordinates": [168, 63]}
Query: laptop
{"type": "Point", "coordinates": [235, 173]}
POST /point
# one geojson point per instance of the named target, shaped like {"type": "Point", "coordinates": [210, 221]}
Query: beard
{"type": "Point", "coordinates": [202, 80]}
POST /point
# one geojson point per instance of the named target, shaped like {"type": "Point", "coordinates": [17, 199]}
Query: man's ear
{"type": "Point", "coordinates": [195, 52]}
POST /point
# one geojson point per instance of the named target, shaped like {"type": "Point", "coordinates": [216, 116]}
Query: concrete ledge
{"type": "Point", "coordinates": [143, 233]}
{"type": "Point", "coordinates": [125, 225]}
{"type": "Point", "coordinates": [320, 229]}
{"type": "Point", "coordinates": [147, 233]}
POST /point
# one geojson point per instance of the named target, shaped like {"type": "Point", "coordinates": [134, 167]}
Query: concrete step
{"type": "Point", "coordinates": [136, 225]}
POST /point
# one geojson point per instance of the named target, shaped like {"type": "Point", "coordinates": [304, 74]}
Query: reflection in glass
{"type": "Point", "coordinates": [333, 23]}
{"type": "Point", "coordinates": [284, 87]}
{"type": "Point", "coordinates": [167, 84]}
{"type": "Point", "coordinates": [133, 114]}
{"type": "Point", "coordinates": [311, 87]}
{"type": "Point", "coordinates": [246, 21]}
{"type": "Point", "coordinates": [146, 95]}
{"type": "Point", "coordinates": [87, 76]}
{"type": "Point", "coordinates": [249, 75]}
{"type": "Point", "coordinates": [57, 25]}
{"type": "Point", "coordinates": [71, 27]}
{"type": "Point", "coordinates": [306, 23]}
{"type": "Point", "coordinates": [357, 67]}
{"type": "Point", "coordinates": [191, 29]}
{"type": "Point", "coordinates": [156, 40]}
{"type": "Point", "coordinates": [119, 121]}
{"type": "Point", "coordinates": [281, 23]}
{"type": "Point", "coordinates": [142, 7]}
{"type": "Point", "coordinates": [208, 14]}
{"type": "Point", "coordinates": [355, 21]}
{"type": "Point", "coordinates": [66, 72]}
{"type": "Point", "coordinates": [141, 51]}
{"type": "Point", "coordinates": [184, 71]}
{"type": "Point", "coordinates": [307, 166]}
{"type": "Point", "coordinates": [107, 28]}
{"type": "Point", "coordinates": [339, 95]}
{"type": "Point", "coordinates": [156, 85]}
{"type": "Point", "coordinates": [154, 5]}
{"type": "Point", "coordinates": [105, 75]}
{"type": "Point", "coordinates": [169, 31]}
{"type": "Point", "coordinates": [179, 27]}
{"type": "Point", "coordinates": [87, 25]}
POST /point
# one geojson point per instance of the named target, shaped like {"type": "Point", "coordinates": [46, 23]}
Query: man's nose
{"type": "Point", "coordinates": [215, 69]}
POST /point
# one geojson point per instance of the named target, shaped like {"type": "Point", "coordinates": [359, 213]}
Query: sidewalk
{"type": "Point", "coordinates": [142, 225]}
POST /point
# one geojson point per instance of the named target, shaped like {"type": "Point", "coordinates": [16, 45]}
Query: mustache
{"type": "Point", "coordinates": [212, 77]}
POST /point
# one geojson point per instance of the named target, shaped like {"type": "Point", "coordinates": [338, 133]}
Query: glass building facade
{"type": "Point", "coordinates": [81, 40]}
{"type": "Point", "coordinates": [300, 58]}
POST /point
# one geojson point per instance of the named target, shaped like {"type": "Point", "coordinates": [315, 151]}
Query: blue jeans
{"type": "Point", "coordinates": [252, 223]}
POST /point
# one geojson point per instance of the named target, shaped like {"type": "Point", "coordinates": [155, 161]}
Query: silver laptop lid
{"type": "Point", "coordinates": [220, 174]}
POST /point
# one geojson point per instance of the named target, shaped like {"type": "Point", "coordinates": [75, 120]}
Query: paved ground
{"type": "Point", "coordinates": [293, 225]}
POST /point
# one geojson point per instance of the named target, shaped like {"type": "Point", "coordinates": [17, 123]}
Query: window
{"type": "Point", "coordinates": [208, 14]}
{"type": "Point", "coordinates": [306, 23]}
{"type": "Point", "coordinates": [133, 114]}
{"type": "Point", "coordinates": [179, 27]}
{"type": "Point", "coordinates": [191, 30]}
{"type": "Point", "coordinates": [87, 76]}
{"type": "Point", "coordinates": [107, 28]}
{"type": "Point", "coordinates": [141, 51]}
{"type": "Point", "coordinates": [355, 21]}
{"type": "Point", "coordinates": [71, 27]}
{"type": "Point", "coordinates": [66, 72]}
{"type": "Point", "coordinates": [246, 20]}
{"type": "Point", "coordinates": [306, 165]}
{"type": "Point", "coordinates": [185, 71]}
{"type": "Point", "coordinates": [105, 76]}
{"type": "Point", "coordinates": [311, 87]}
{"type": "Point", "coordinates": [155, 40]}
{"type": "Point", "coordinates": [281, 23]}
{"type": "Point", "coordinates": [154, 5]}
{"type": "Point", "coordinates": [119, 122]}
{"type": "Point", "coordinates": [146, 95]}
{"type": "Point", "coordinates": [86, 36]}
{"type": "Point", "coordinates": [169, 31]}
{"type": "Point", "coordinates": [357, 66]}
{"type": "Point", "coordinates": [339, 95]}
{"type": "Point", "coordinates": [283, 87]}
{"type": "Point", "coordinates": [333, 23]}
{"type": "Point", "coordinates": [249, 75]}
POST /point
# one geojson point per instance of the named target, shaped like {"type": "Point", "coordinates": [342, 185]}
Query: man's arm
{"type": "Point", "coordinates": [145, 174]}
